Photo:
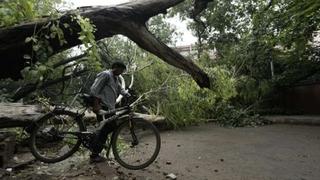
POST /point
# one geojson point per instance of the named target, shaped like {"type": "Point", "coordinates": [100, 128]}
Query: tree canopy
{"type": "Point", "coordinates": [260, 47]}
{"type": "Point", "coordinates": [45, 37]}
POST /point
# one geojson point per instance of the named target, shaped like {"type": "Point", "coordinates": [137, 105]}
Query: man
{"type": "Point", "coordinates": [105, 91]}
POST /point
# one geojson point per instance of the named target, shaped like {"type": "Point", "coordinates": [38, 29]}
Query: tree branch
{"type": "Point", "coordinates": [29, 88]}
{"type": "Point", "coordinates": [150, 43]}
{"type": "Point", "coordinates": [66, 61]}
{"type": "Point", "coordinates": [109, 21]}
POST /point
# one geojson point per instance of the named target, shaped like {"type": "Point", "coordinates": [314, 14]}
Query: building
{"type": "Point", "coordinates": [190, 51]}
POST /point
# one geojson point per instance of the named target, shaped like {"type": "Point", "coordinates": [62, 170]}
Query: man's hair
{"type": "Point", "coordinates": [118, 64]}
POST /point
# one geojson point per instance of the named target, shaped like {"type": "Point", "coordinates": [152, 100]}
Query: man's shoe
{"type": "Point", "coordinates": [97, 159]}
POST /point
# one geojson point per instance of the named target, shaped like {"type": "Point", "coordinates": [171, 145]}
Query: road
{"type": "Point", "coordinates": [275, 152]}
{"type": "Point", "coordinates": [210, 152]}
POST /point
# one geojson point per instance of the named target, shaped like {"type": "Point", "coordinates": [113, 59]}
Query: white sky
{"type": "Point", "coordinates": [186, 39]}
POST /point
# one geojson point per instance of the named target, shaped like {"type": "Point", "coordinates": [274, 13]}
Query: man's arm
{"type": "Point", "coordinates": [122, 91]}
{"type": "Point", "coordinates": [101, 79]}
{"type": "Point", "coordinates": [96, 88]}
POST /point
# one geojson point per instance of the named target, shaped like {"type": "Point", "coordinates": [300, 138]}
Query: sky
{"type": "Point", "coordinates": [186, 39]}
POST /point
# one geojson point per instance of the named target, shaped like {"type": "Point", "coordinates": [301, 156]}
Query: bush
{"type": "Point", "coordinates": [183, 103]}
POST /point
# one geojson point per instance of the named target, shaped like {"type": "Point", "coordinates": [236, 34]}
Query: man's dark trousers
{"type": "Point", "coordinates": [102, 134]}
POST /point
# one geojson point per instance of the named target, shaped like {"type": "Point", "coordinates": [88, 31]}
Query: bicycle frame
{"type": "Point", "coordinates": [125, 110]}
{"type": "Point", "coordinates": [62, 121]}
{"type": "Point", "coordinates": [80, 113]}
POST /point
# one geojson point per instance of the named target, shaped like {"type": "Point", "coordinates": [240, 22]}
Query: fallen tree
{"type": "Point", "coordinates": [29, 88]}
{"type": "Point", "coordinates": [20, 115]}
{"type": "Point", "coordinates": [17, 114]}
{"type": "Point", "coordinates": [128, 19]}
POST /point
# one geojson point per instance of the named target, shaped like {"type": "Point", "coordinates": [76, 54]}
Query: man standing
{"type": "Point", "coordinates": [105, 91]}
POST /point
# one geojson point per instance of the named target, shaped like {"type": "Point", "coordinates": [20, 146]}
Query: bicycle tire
{"type": "Point", "coordinates": [39, 125]}
{"type": "Point", "coordinates": [143, 138]}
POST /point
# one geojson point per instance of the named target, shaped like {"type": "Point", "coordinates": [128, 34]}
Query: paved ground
{"type": "Point", "coordinates": [270, 152]}
{"type": "Point", "coordinates": [275, 152]}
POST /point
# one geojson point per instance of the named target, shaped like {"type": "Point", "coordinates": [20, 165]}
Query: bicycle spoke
{"type": "Point", "coordinates": [55, 137]}
{"type": "Point", "coordinates": [137, 146]}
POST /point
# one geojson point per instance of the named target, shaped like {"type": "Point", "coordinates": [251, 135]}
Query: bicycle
{"type": "Point", "coordinates": [59, 134]}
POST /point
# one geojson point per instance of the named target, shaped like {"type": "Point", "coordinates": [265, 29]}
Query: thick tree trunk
{"type": "Point", "coordinates": [19, 115]}
{"type": "Point", "coordinates": [128, 19]}
{"type": "Point", "coordinates": [150, 43]}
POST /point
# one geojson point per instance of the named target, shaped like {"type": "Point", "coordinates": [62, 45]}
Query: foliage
{"type": "Point", "coordinates": [250, 36]}
{"type": "Point", "coordinates": [87, 38]}
{"type": "Point", "coordinates": [178, 98]}
{"type": "Point", "coordinates": [16, 11]}
{"type": "Point", "coordinates": [163, 30]}
{"type": "Point", "coordinates": [247, 37]}
{"type": "Point", "coordinates": [227, 115]}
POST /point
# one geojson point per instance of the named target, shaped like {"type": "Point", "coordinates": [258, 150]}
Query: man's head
{"type": "Point", "coordinates": [118, 68]}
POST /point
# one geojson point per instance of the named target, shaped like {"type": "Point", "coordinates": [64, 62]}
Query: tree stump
{"type": "Point", "coordinates": [7, 147]}
{"type": "Point", "coordinates": [18, 114]}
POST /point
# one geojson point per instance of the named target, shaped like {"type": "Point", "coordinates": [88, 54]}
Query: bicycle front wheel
{"type": "Point", "coordinates": [55, 136]}
{"type": "Point", "coordinates": [136, 144]}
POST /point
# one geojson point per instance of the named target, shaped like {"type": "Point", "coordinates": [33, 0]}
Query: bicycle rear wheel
{"type": "Point", "coordinates": [54, 136]}
{"type": "Point", "coordinates": [136, 144]}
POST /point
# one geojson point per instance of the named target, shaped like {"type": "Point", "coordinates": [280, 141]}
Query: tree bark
{"type": "Point", "coordinates": [128, 19]}
{"type": "Point", "coordinates": [19, 115]}
{"type": "Point", "coordinates": [66, 61]}
{"type": "Point", "coordinates": [150, 43]}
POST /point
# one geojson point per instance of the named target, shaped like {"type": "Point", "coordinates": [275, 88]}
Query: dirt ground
{"type": "Point", "coordinates": [209, 152]}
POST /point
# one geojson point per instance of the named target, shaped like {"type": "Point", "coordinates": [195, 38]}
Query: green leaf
{"type": "Point", "coordinates": [52, 35]}
{"type": "Point", "coordinates": [82, 37]}
{"type": "Point", "coordinates": [28, 39]}
{"type": "Point", "coordinates": [50, 50]}
{"type": "Point", "coordinates": [36, 47]}
{"type": "Point", "coordinates": [66, 25]}
{"type": "Point", "coordinates": [26, 56]}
